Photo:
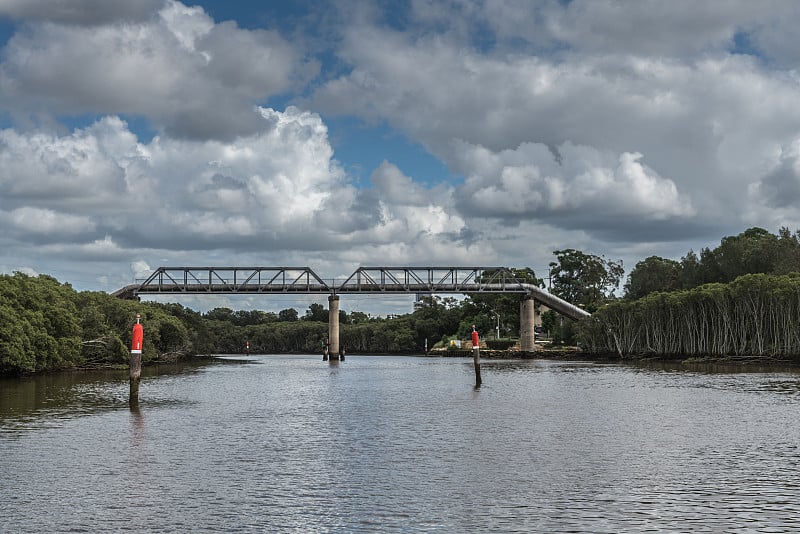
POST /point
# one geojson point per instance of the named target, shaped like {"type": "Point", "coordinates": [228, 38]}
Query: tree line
{"type": "Point", "coordinates": [46, 325]}
{"type": "Point", "coordinates": [755, 315]}
{"type": "Point", "coordinates": [754, 251]}
{"type": "Point", "coordinates": [740, 297]}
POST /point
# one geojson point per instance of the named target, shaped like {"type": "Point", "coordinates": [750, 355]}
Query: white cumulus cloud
{"type": "Point", "coordinates": [530, 182]}
{"type": "Point", "coordinates": [188, 75]}
{"type": "Point", "coordinates": [49, 222]}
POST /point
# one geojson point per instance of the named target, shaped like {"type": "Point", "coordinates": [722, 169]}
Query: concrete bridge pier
{"type": "Point", "coordinates": [527, 324]}
{"type": "Point", "coordinates": [333, 327]}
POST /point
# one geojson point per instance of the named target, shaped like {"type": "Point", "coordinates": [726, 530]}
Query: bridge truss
{"type": "Point", "coordinates": [253, 280]}
{"type": "Point", "coordinates": [375, 280]}
{"type": "Point", "coordinates": [232, 280]}
{"type": "Point", "coordinates": [431, 280]}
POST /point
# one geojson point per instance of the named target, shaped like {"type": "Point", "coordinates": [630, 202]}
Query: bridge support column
{"type": "Point", "coordinates": [527, 324]}
{"type": "Point", "coordinates": [333, 327]}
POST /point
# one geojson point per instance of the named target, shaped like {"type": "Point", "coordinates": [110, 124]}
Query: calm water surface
{"type": "Point", "coordinates": [291, 443]}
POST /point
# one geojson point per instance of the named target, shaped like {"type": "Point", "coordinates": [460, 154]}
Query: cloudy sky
{"type": "Point", "coordinates": [135, 134]}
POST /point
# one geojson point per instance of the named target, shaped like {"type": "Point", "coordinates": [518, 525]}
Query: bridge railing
{"type": "Point", "coordinates": [305, 280]}
{"type": "Point", "coordinates": [431, 280]}
{"type": "Point", "coordinates": [420, 280]}
{"type": "Point", "coordinates": [234, 280]}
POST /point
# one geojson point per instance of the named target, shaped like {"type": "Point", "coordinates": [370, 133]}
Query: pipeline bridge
{"type": "Point", "coordinates": [365, 280]}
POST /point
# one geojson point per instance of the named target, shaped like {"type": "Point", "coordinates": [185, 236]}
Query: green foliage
{"type": "Point", "coordinates": [432, 318]}
{"type": "Point", "coordinates": [561, 329]}
{"type": "Point", "coordinates": [287, 315]}
{"type": "Point", "coordinates": [754, 251]}
{"type": "Point", "coordinates": [241, 317]}
{"type": "Point", "coordinates": [584, 279]}
{"type": "Point", "coordinates": [316, 312]}
{"type": "Point", "coordinates": [40, 326]}
{"type": "Point", "coordinates": [357, 317]}
{"type": "Point", "coordinates": [16, 354]}
{"type": "Point", "coordinates": [738, 298]}
{"type": "Point", "coordinates": [220, 314]}
{"type": "Point", "coordinates": [103, 321]}
{"type": "Point", "coordinates": [756, 314]}
{"type": "Point", "coordinates": [788, 260]}
{"type": "Point", "coordinates": [482, 309]}
{"type": "Point", "coordinates": [653, 274]}
{"type": "Point", "coordinates": [280, 337]}
{"type": "Point", "coordinates": [49, 326]}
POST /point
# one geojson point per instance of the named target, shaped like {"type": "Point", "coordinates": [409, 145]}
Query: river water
{"type": "Point", "coordinates": [405, 444]}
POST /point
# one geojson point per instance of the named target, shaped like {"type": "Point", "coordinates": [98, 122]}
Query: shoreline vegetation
{"type": "Point", "coordinates": [755, 316]}
{"type": "Point", "coordinates": [563, 354]}
{"type": "Point", "coordinates": [576, 354]}
{"type": "Point", "coordinates": [48, 326]}
{"type": "Point", "coordinates": [707, 308]}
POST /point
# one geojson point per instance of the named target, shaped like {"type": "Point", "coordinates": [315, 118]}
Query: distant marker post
{"type": "Point", "coordinates": [476, 356]}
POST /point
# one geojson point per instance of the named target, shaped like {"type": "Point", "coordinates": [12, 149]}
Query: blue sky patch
{"type": "Point", "coordinates": [361, 148]}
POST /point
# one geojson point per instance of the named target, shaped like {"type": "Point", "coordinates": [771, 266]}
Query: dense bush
{"type": "Point", "coordinates": [40, 325]}
{"type": "Point", "coordinates": [754, 251]}
{"type": "Point", "coordinates": [46, 325]}
{"type": "Point", "coordinates": [756, 314]}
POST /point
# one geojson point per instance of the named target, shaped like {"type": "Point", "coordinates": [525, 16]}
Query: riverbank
{"type": "Point", "coordinates": [576, 354]}
{"type": "Point", "coordinates": [551, 353]}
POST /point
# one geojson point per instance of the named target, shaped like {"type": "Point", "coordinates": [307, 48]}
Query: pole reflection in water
{"type": "Point", "coordinates": [137, 426]}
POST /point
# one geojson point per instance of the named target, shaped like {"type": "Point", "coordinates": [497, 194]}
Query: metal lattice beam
{"type": "Point", "coordinates": [230, 280]}
{"type": "Point", "coordinates": [431, 280]}
{"type": "Point", "coordinates": [419, 280]}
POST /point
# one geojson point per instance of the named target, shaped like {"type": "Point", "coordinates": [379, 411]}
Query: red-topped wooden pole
{"type": "Point", "coordinates": [476, 356]}
{"type": "Point", "coordinates": [137, 337]}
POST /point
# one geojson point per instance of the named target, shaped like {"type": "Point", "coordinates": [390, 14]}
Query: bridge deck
{"type": "Point", "coordinates": [253, 280]}
{"type": "Point", "coordinates": [374, 280]}
{"type": "Point", "coordinates": [251, 289]}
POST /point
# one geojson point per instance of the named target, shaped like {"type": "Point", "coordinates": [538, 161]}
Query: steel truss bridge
{"type": "Point", "coordinates": [375, 280]}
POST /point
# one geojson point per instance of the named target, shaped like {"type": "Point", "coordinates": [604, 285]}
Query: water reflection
{"type": "Point", "coordinates": [787, 387]}
{"type": "Point", "coordinates": [47, 400]}
{"type": "Point", "coordinates": [137, 426]}
{"type": "Point", "coordinates": [714, 368]}
{"type": "Point", "coordinates": [291, 443]}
